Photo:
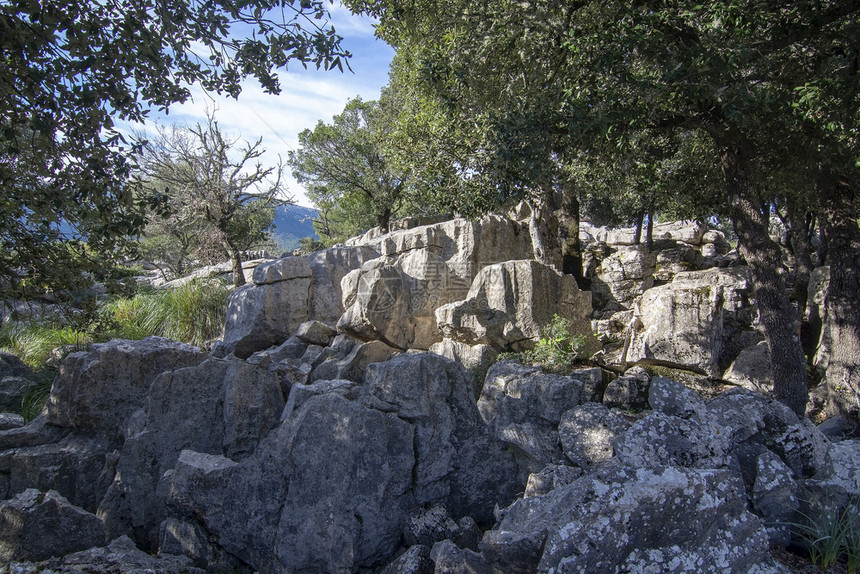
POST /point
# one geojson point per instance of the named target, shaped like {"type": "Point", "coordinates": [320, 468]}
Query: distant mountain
{"type": "Point", "coordinates": [292, 222]}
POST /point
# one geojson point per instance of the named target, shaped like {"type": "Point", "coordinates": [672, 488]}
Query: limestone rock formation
{"type": "Point", "coordinates": [97, 391]}
{"type": "Point", "coordinates": [687, 321]}
{"type": "Point", "coordinates": [509, 303]}
{"type": "Point", "coordinates": [324, 439]}
{"type": "Point", "coordinates": [36, 525]}
{"type": "Point", "coordinates": [286, 293]}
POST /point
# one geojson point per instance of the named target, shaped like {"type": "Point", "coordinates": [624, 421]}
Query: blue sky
{"type": "Point", "coordinates": [307, 96]}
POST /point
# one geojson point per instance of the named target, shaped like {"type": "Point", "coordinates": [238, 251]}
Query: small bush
{"type": "Point", "coordinates": [557, 350]}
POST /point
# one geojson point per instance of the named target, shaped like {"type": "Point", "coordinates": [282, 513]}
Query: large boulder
{"type": "Point", "coordinates": [285, 294]}
{"type": "Point", "coordinates": [687, 321]}
{"type": "Point", "coordinates": [326, 491]}
{"type": "Point", "coordinates": [97, 391]}
{"type": "Point", "coordinates": [617, 519]}
{"type": "Point", "coordinates": [459, 463]}
{"type": "Point", "coordinates": [78, 467]}
{"type": "Point", "coordinates": [509, 303]}
{"type": "Point", "coordinates": [752, 369]}
{"type": "Point", "coordinates": [588, 433]}
{"type": "Point", "coordinates": [394, 298]}
{"type": "Point", "coordinates": [37, 525]}
{"type": "Point", "coordinates": [219, 407]}
{"type": "Point", "coordinates": [623, 276]}
{"type": "Point", "coordinates": [523, 407]}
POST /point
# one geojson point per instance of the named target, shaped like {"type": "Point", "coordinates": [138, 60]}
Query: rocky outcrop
{"type": "Point", "coordinates": [286, 293]}
{"type": "Point", "coordinates": [220, 407]}
{"type": "Point", "coordinates": [394, 298]}
{"type": "Point", "coordinates": [323, 438]}
{"type": "Point", "coordinates": [97, 391]}
{"type": "Point", "coordinates": [688, 321]}
{"type": "Point", "coordinates": [509, 303]}
{"type": "Point", "coordinates": [36, 526]}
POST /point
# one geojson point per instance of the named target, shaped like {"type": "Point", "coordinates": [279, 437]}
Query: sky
{"type": "Point", "coordinates": [307, 96]}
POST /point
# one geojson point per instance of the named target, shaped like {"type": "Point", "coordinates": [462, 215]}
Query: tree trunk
{"type": "Point", "coordinates": [637, 235]}
{"type": "Point", "coordinates": [568, 230]}
{"type": "Point", "coordinates": [384, 219]}
{"type": "Point", "coordinates": [799, 238]}
{"type": "Point", "coordinates": [764, 258]}
{"type": "Point", "coordinates": [843, 298]}
{"type": "Point", "coordinates": [649, 233]}
{"type": "Point", "coordinates": [236, 260]}
{"type": "Point", "coordinates": [544, 232]}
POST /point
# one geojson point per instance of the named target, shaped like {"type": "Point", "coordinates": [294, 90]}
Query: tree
{"type": "Point", "coordinates": [70, 70]}
{"type": "Point", "coordinates": [585, 72]}
{"type": "Point", "coordinates": [230, 198]}
{"type": "Point", "coordinates": [346, 172]}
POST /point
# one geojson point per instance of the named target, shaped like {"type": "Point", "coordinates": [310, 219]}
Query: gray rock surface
{"type": "Point", "coordinates": [509, 303]}
{"type": "Point", "coordinates": [394, 298]}
{"type": "Point", "coordinates": [752, 369]}
{"type": "Point", "coordinates": [755, 419]}
{"type": "Point", "coordinates": [615, 520]}
{"type": "Point", "coordinates": [684, 322]}
{"type": "Point", "coordinates": [219, 407]}
{"type": "Point", "coordinates": [97, 391]}
{"type": "Point", "coordinates": [285, 294]}
{"type": "Point", "coordinates": [523, 406]}
{"type": "Point", "coordinates": [9, 421]}
{"type": "Point", "coordinates": [36, 525]}
{"type": "Point", "coordinates": [588, 433]}
{"type": "Point", "coordinates": [121, 555]}
{"type": "Point", "coordinates": [79, 468]}
{"type": "Point", "coordinates": [774, 497]}
{"type": "Point", "coordinates": [416, 560]}
{"type": "Point", "coordinates": [623, 276]}
{"type": "Point", "coordinates": [315, 333]}
{"type": "Point", "coordinates": [458, 462]}
{"type": "Point", "coordinates": [325, 492]}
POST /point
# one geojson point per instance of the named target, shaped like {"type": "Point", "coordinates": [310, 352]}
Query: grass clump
{"type": "Point", "coordinates": [192, 313]}
{"type": "Point", "coordinates": [558, 350]}
{"type": "Point", "coordinates": [831, 533]}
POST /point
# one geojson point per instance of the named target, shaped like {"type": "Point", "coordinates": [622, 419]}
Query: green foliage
{"type": "Point", "coordinates": [558, 349]}
{"type": "Point", "coordinates": [192, 313]}
{"type": "Point", "coordinates": [348, 175]}
{"type": "Point", "coordinates": [70, 70]}
{"type": "Point", "coordinates": [309, 245]}
{"type": "Point", "coordinates": [831, 532]}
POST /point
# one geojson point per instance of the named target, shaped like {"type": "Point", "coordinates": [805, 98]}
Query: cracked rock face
{"type": "Point", "coordinates": [508, 304]}
{"type": "Point", "coordinates": [671, 519]}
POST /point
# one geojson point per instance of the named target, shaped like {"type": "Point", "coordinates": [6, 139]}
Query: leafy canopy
{"type": "Point", "coordinates": [70, 70]}
{"type": "Point", "coordinates": [348, 174]}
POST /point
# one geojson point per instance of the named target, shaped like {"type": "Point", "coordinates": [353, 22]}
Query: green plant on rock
{"type": "Point", "coordinates": [558, 349]}
{"type": "Point", "coordinates": [831, 532]}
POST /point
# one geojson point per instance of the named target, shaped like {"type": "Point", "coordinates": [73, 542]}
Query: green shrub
{"type": "Point", "coordinates": [557, 350]}
{"type": "Point", "coordinates": [33, 342]}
